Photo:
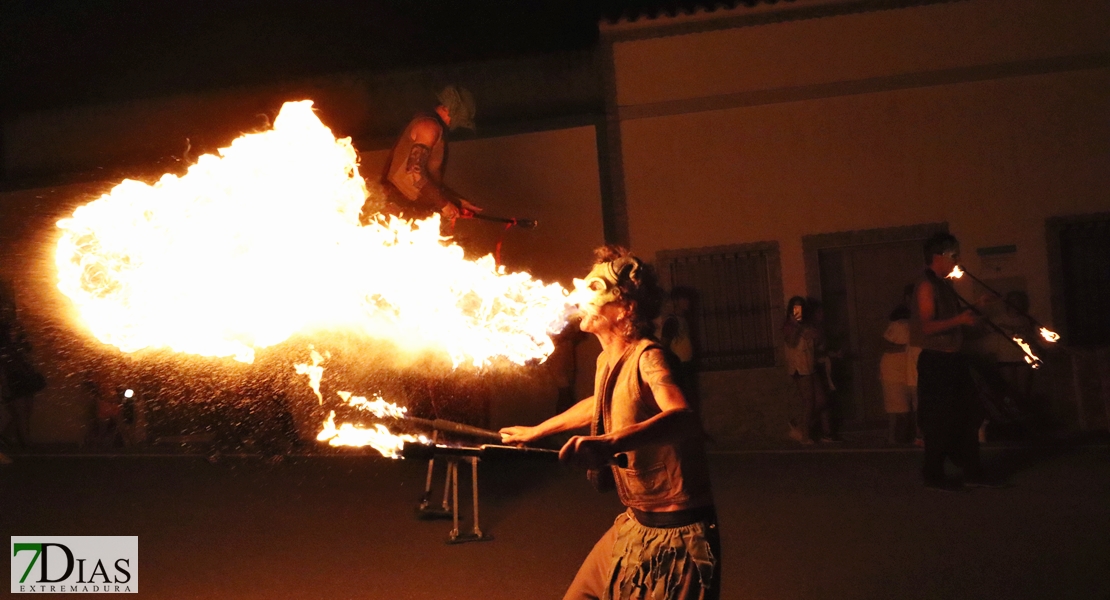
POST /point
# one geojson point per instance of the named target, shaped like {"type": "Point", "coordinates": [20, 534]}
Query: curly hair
{"type": "Point", "coordinates": [639, 291]}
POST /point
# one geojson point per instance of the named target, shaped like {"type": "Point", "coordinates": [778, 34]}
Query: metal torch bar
{"type": "Point", "coordinates": [494, 452]}
{"type": "Point", "coordinates": [453, 427]}
{"type": "Point", "coordinates": [522, 223]}
{"type": "Point", "coordinates": [1004, 301]}
{"type": "Point", "coordinates": [1036, 359]}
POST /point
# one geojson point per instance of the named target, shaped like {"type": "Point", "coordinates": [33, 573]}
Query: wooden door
{"type": "Point", "coordinates": [860, 286]}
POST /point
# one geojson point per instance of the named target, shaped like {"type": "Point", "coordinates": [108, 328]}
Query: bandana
{"type": "Point", "coordinates": [459, 103]}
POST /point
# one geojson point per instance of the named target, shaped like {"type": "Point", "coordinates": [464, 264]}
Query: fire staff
{"type": "Point", "coordinates": [413, 175]}
{"type": "Point", "coordinates": [638, 409]}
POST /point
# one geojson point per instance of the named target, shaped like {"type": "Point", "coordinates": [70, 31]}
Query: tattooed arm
{"type": "Point", "coordinates": [427, 173]}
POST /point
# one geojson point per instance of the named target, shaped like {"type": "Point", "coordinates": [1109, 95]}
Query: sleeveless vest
{"type": "Point", "coordinates": [658, 475]}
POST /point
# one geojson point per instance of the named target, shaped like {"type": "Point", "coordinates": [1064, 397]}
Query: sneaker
{"type": "Point", "coordinates": [830, 439]}
{"type": "Point", "coordinates": [944, 485]}
{"type": "Point", "coordinates": [805, 441]}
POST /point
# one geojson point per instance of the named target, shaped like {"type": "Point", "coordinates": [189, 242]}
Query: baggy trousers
{"type": "Point", "coordinates": [635, 562]}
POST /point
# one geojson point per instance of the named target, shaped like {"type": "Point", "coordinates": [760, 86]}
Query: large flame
{"type": "Point", "coordinates": [263, 241]}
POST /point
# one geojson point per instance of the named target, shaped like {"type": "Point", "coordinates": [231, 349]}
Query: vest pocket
{"type": "Point", "coordinates": [651, 482]}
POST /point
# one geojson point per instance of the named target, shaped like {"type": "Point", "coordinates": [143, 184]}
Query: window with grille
{"type": "Point", "coordinates": [738, 293]}
{"type": "Point", "coordinates": [1084, 248]}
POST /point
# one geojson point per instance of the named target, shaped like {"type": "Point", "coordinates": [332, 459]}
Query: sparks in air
{"type": "Point", "coordinates": [262, 240]}
{"type": "Point", "coordinates": [377, 436]}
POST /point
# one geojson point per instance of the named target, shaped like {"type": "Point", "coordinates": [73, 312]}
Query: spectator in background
{"type": "Point", "coordinates": [19, 379]}
{"type": "Point", "coordinates": [912, 354]}
{"type": "Point", "coordinates": [1006, 377]}
{"type": "Point", "coordinates": [111, 429]}
{"type": "Point", "coordinates": [802, 339]}
{"type": "Point", "coordinates": [898, 400]}
{"type": "Point", "coordinates": [1013, 368]}
{"type": "Point", "coordinates": [675, 336]}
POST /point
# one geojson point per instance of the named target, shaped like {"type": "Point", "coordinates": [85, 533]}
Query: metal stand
{"type": "Point", "coordinates": [475, 535]}
{"type": "Point", "coordinates": [425, 510]}
{"type": "Point", "coordinates": [450, 505]}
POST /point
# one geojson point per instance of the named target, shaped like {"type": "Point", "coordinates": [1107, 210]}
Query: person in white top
{"type": "Point", "coordinates": [898, 375]}
{"type": "Point", "coordinates": [897, 399]}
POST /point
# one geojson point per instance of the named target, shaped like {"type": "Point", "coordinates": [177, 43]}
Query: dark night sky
{"type": "Point", "coordinates": [68, 52]}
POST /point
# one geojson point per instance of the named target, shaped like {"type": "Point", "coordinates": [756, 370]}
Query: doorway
{"type": "Point", "coordinates": [860, 277]}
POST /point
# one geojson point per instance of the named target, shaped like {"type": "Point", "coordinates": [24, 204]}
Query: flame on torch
{"type": "Point", "coordinates": [956, 273]}
{"type": "Point", "coordinates": [1049, 335]}
{"type": "Point", "coordinates": [378, 406]}
{"type": "Point", "coordinates": [1033, 360]}
{"type": "Point", "coordinates": [263, 241]}
{"type": "Point", "coordinates": [378, 437]}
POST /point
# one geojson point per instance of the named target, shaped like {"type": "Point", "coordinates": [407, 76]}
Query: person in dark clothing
{"type": "Point", "coordinates": [948, 406]}
{"type": "Point", "coordinates": [803, 342]}
{"type": "Point", "coordinates": [20, 380]}
{"type": "Point", "coordinates": [676, 335]}
{"type": "Point", "coordinates": [413, 176]}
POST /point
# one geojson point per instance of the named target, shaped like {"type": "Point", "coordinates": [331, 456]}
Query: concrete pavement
{"type": "Point", "coordinates": [844, 523]}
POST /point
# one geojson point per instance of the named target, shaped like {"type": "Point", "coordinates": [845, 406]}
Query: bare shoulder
{"type": "Point", "coordinates": [924, 290]}
{"type": "Point", "coordinates": [426, 130]}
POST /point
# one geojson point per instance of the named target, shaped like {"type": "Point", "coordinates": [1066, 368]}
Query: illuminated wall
{"type": "Point", "coordinates": [990, 116]}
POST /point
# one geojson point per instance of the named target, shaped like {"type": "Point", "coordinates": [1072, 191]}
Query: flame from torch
{"type": "Point", "coordinates": [263, 241]}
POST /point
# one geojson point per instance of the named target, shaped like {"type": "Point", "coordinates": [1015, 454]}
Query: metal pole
{"type": "Point", "coordinates": [1004, 301]}
{"type": "Point", "coordinates": [1036, 360]}
{"type": "Point", "coordinates": [453, 466]}
{"type": "Point", "coordinates": [474, 491]}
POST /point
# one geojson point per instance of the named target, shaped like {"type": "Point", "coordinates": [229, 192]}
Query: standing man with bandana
{"type": "Point", "coordinates": [666, 545]}
{"type": "Point", "coordinates": [413, 175]}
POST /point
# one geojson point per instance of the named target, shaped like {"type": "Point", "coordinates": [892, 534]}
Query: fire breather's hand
{"type": "Point", "coordinates": [449, 211]}
{"type": "Point", "coordinates": [968, 317]}
{"type": "Point", "coordinates": [592, 452]}
{"type": "Point", "coordinates": [518, 434]}
{"type": "Point", "coordinates": [468, 207]}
